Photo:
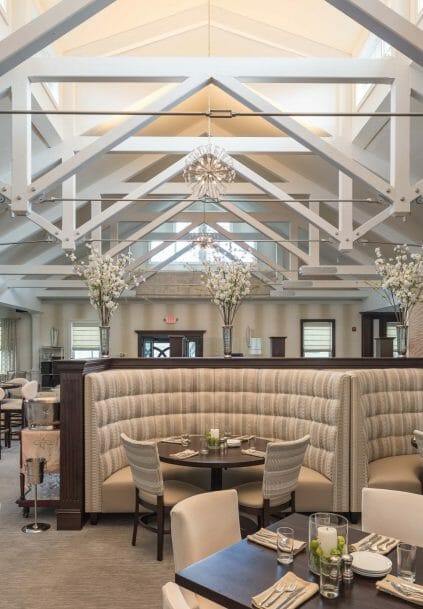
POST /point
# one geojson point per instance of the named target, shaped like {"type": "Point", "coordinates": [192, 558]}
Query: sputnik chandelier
{"type": "Point", "coordinates": [208, 170]}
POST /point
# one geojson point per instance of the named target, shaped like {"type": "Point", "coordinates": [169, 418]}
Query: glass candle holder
{"type": "Point", "coordinates": [327, 536]}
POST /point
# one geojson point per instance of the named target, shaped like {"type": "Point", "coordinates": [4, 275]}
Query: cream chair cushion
{"type": "Point", "coordinates": [393, 513]}
{"type": "Point", "coordinates": [174, 491]}
{"type": "Point", "coordinates": [401, 473]}
{"type": "Point", "coordinates": [173, 598]}
{"type": "Point", "coordinates": [11, 404]}
{"type": "Point", "coordinates": [251, 495]}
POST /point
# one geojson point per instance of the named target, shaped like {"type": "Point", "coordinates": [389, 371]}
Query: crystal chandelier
{"type": "Point", "coordinates": [208, 170]}
{"type": "Point", "coordinates": [204, 240]}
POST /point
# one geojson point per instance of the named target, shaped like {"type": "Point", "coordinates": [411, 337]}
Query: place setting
{"type": "Point", "coordinates": [185, 454]}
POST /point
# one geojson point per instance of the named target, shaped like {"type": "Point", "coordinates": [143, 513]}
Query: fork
{"type": "Point", "coordinates": [407, 590]}
{"type": "Point", "coordinates": [278, 589]}
{"type": "Point", "coordinates": [375, 547]}
{"type": "Point", "coordinates": [287, 602]}
{"type": "Point", "coordinates": [372, 539]}
{"type": "Point", "coordinates": [288, 590]}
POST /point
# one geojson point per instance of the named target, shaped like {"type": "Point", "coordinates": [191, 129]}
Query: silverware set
{"type": "Point", "coordinates": [377, 543]}
{"type": "Point", "coordinates": [407, 590]}
{"type": "Point", "coordinates": [291, 591]}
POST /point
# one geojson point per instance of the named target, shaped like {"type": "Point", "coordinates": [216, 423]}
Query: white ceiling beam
{"type": "Point", "coordinates": [288, 201]}
{"type": "Point", "coordinates": [252, 250]}
{"type": "Point", "coordinates": [304, 136]}
{"type": "Point", "coordinates": [340, 269]}
{"type": "Point", "coordinates": [318, 295]}
{"type": "Point", "coordinates": [265, 230]}
{"type": "Point", "coordinates": [175, 69]}
{"type": "Point", "coordinates": [151, 226]}
{"type": "Point", "coordinates": [329, 284]}
{"type": "Point", "coordinates": [34, 269]}
{"type": "Point", "coordinates": [46, 283]}
{"type": "Point", "coordinates": [159, 248]}
{"type": "Point", "coordinates": [45, 29]}
{"type": "Point", "coordinates": [385, 23]}
{"type": "Point", "coordinates": [18, 300]}
{"type": "Point", "coordinates": [372, 222]}
{"type": "Point", "coordinates": [112, 138]}
{"type": "Point", "coordinates": [183, 145]}
{"type": "Point", "coordinates": [21, 145]}
{"type": "Point", "coordinates": [400, 143]}
{"type": "Point", "coordinates": [140, 192]}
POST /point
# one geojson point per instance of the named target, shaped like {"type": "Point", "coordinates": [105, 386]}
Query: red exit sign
{"type": "Point", "coordinates": [170, 319]}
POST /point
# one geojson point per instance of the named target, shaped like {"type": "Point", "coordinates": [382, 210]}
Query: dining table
{"type": "Point", "coordinates": [234, 575]}
{"type": "Point", "coordinates": [216, 460]}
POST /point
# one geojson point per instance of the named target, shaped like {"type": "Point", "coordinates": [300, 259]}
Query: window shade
{"type": "Point", "coordinates": [317, 336]}
{"type": "Point", "coordinates": [85, 336]}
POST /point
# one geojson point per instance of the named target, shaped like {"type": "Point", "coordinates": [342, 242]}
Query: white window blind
{"type": "Point", "coordinates": [85, 339]}
{"type": "Point", "coordinates": [317, 338]}
{"type": "Point", "coordinates": [391, 332]}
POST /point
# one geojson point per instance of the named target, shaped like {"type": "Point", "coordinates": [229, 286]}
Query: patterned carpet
{"type": "Point", "coordinates": [89, 569]}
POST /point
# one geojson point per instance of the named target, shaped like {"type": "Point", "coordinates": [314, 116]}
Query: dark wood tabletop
{"type": "Point", "coordinates": [234, 575]}
{"type": "Point", "coordinates": [215, 460]}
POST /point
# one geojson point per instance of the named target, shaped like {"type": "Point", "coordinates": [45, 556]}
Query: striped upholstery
{"type": "Point", "coordinates": [276, 404]}
{"type": "Point", "coordinates": [282, 468]}
{"type": "Point", "coordinates": [143, 458]}
{"type": "Point", "coordinates": [386, 406]}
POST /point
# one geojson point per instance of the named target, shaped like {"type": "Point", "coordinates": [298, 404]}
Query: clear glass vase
{"type": "Point", "coordinates": [327, 536]}
{"type": "Point", "coordinates": [105, 341]}
{"type": "Point", "coordinates": [402, 339]}
{"type": "Point", "coordinates": [227, 340]}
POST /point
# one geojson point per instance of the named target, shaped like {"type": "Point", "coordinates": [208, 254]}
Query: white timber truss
{"type": "Point", "coordinates": [44, 195]}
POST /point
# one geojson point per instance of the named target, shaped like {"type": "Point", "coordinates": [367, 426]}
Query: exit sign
{"type": "Point", "coordinates": [170, 319]}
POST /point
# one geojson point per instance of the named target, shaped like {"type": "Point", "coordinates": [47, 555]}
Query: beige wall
{"type": "Point", "coordinates": [264, 318]}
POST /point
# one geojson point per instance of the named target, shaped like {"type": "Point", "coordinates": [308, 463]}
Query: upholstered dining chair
{"type": "Point", "coordinates": [200, 526]}
{"type": "Point", "coordinates": [173, 597]}
{"type": "Point", "coordinates": [12, 407]}
{"type": "Point", "coordinates": [151, 492]}
{"type": "Point", "coordinates": [280, 478]}
{"type": "Point", "coordinates": [4, 428]}
{"type": "Point", "coordinates": [393, 513]}
{"type": "Point", "coordinates": [16, 392]}
{"type": "Point", "coordinates": [419, 439]}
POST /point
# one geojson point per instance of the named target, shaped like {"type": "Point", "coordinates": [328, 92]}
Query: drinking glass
{"type": "Point", "coordinates": [330, 576]}
{"type": "Point", "coordinates": [406, 561]}
{"type": "Point", "coordinates": [204, 447]}
{"type": "Point", "coordinates": [285, 545]}
{"type": "Point", "coordinates": [252, 443]}
{"type": "Point", "coordinates": [185, 438]}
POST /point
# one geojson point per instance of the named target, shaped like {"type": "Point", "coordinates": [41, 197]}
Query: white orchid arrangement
{"type": "Point", "coordinates": [401, 280]}
{"type": "Point", "coordinates": [228, 282]}
{"type": "Point", "coordinates": [106, 279]}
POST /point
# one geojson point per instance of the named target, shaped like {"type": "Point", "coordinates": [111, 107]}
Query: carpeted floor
{"type": "Point", "coordinates": [93, 568]}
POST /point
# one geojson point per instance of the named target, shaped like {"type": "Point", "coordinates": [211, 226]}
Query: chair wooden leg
{"type": "Point", "coordinates": [160, 527]}
{"type": "Point", "coordinates": [266, 512]}
{"type": "Point", "coordinates": [293, 502]}
{"type": "Point", "coordinates": [136, 517]}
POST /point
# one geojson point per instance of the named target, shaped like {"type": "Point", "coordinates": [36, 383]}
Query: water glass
{"type": "Point", "coordinates": [204, 447]}
{"type": "Point", "coordinates": [185, 438]}
{"type": "Point", "coordinates": [252, 442]}
{"type": "Point", "coordinates": [285, 545]}
{"type": "Point", "coordinates": [406, 561]}
{"type": "Point", "coordinates": [330, 576]}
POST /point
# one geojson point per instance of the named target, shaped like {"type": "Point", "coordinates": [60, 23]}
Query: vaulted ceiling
{"type": "Point", "coordinates": [313, 194]}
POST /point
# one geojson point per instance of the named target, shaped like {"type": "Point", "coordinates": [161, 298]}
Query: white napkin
{"type": "Point", "coordinates": [267, 538]}
{"type": "Point", "coordinates": [253, 452]}
{"type": "Point", "coordinates": [185, 454]}
{"type": "Point", "coordinates": [389, 543]}
{"type": "Point", "coordinates": [172, 440]}
{"type": "Point", "coordinates": [386, 585]}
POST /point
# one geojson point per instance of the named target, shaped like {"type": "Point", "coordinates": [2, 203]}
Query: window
{"type": "Point", "coordinates": [391, 332]}
{"type": "Point", "coordinates": [317, 338]}
{"type": "Point", "coordinates": [85, 340]}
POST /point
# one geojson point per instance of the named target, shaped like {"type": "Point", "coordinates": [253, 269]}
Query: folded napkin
{"type": "Point", "coordinates": [243, 438]}
{"type": "Point", "coordinates": [172, 440]}
{"type": "Point", "coordinates": [253, 452]}
{"type": "Point", "coordinates": [185, 454]}
{"type": "Point", "coordinates": [288, 600]}
{"type": "Point", "coordinates": [389, 583]}
{"type": "Point", "coordinates": [387, 543]}
{"type": "Point", "coordinates": [267, 538]}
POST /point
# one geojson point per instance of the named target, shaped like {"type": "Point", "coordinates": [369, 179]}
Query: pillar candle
{"type": "Point", "coordinates": [328, 539]}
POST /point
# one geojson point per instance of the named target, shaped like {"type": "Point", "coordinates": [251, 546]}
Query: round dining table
{"type": "Point", "coordinates": [215, 460]}
{"type": "Point", "coordinates": [6, 385]}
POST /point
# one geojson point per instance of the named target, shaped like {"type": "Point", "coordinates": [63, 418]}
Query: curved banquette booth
{"type": "Point", "coordinates": [275, 404]}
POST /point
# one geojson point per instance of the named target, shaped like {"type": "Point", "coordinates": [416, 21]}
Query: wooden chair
{"type": "Point", "coordinates": [277, 490]}
{"type": "Point", "coordinates": [150, 491]}
{"type": "Point", "coordinates": [4, 425]}
{"type": "Point", "coordinates": [393, 513]}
